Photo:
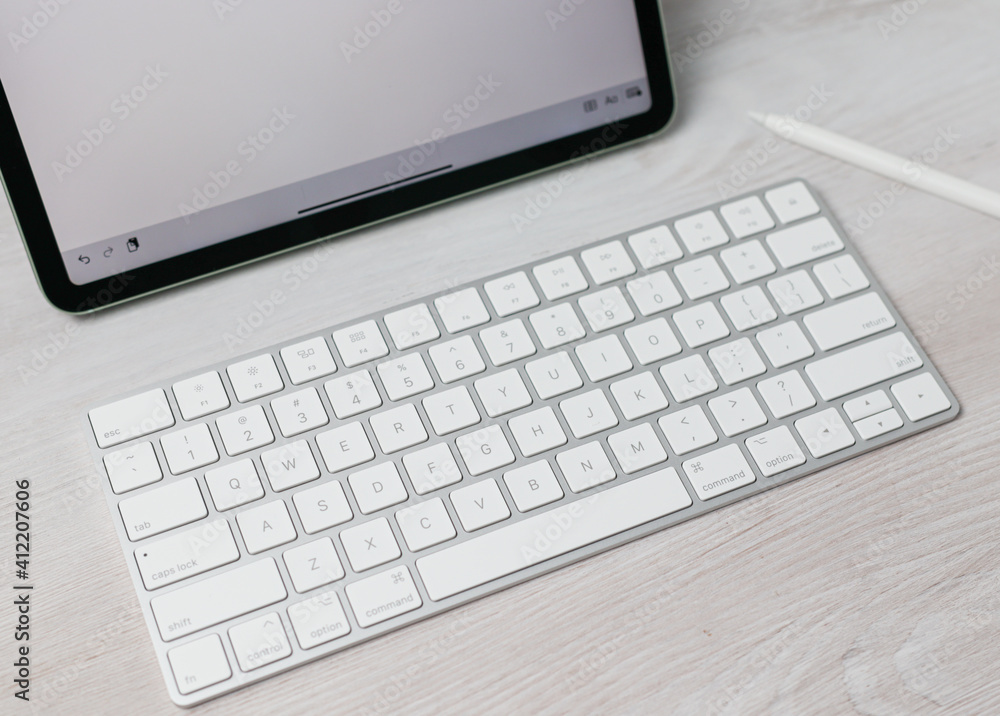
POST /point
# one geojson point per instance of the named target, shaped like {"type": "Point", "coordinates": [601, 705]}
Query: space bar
{"type": "Point", "coordinates": [552, 533]}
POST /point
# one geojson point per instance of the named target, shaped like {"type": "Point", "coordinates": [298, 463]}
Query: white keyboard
{"type": "Point", "coordinates": [320, 493]}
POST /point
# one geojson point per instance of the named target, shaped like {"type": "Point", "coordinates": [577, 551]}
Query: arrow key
{"type": "Point", "coordinates": [921, 397]}
{"type": "Point", "coordinates": [879, 424]}
{"type": "Point", "coordinates": [867, 405]}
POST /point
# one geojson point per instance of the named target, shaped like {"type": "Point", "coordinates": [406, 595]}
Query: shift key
{"type": "Point", "coordinates": [217, 599]}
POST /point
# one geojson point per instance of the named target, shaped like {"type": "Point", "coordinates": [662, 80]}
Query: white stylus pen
{"type": "Point", "coordinates": [906, 171]}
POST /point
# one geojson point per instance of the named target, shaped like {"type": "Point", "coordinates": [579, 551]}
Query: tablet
{"type": "Point", "coordinates": [143, 145]}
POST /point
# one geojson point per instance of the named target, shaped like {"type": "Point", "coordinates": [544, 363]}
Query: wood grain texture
{"type": "Point", "coordinates": [870, 588]}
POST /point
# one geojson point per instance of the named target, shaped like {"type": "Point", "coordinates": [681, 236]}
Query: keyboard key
{"type": "Point", "coordinates": [553, 375]}
{"type": "Point", "coordinates": [849, 321]}
{"type": "Point", "coordinates": [132, 467]}
{"type": "Point", "coordinates": [687, 430]}
{"type": "Point", "coordinates": [308, 360]}
{"type": "Point", "coordinates": [345, 447]}
{"type": "Point", "coordinates": [322, 507]}
{"type": "Point", "coordinates": [254, 378]}
{"type": "Point", "coordinates": [318, 620]}
{"type": "Point", "coordinates": [162, 509]}
{"type": "Point", "coordinates": [131, 418]}
{"type": "Point", "coordinates": [266, 526]}
{"type": "Point", "coordinates": [748, 308]}
{"type": "Point", "coordinates": [378, 487]}
{"type": "Point", "coordinates": [880, 424]}
{"type": "Point", "coordinates": [479, 505]}
{"type": "Point", "coordinates": [502, 393]}
{"type": "Point", "coordinates": [655, 247]}
{"type": "Point", "coordinates": [718, 472]}
{"type": "Point", "coordinates": [585, 466]}
{"type": "Point", "coordinates": [313, 564]}
{"type": "Point", "coordinates": [737, 412]}
{"type": "Point", "coordinates": [921, 397]}
{"type": "Point", "coordinates": [244, 430]}
{"type": "Point", "coordinates": [606, 309]}
{"type": "Point", "coordinates": [411, 326]}
{"type": "Point", "coordinates": [533, 485]}
{"type": "Point", "coordinates": [370, 544]}
{"type": "Point", "coordinates": [560, 278]}
{"type": "Point", "coordinates": [775, 451]}
{"type": "Point", "coordinates": [199, 664]}
{"type": "Point", "coordinates": [652, 341]}
{"type": "Point", "coordinates": [405, 377]}
{"type": "Point", "coordinates": [186, 554]}
{"type": "Point", "coordinates": [785, 344]}
{"type": "Point", "coordinates": [747, 262]}
{"type": "Point", "coordinates": [701, 232]}
{"type": "Point", "coordinates": [456, 359]}
{"type": "Point", "coordinates": [791, 202]}
{"type": "Point", "coordinates": [260, 642]}
{"type": "Point", "coordinates": [824, 432]}
{"type": "Point", "coordinates": [794, 292]}
{"type": "Point", "coordinates": [189, 449]}
{"type": "Point", "coordinates": [451, 410]}
{"type": "Point", "coordinates": [201, 395]}
{"type": "Point", "coordinates": [653, 293]}
{"type": "Point", "coordinates": [736, 361]}
{"type": "Point", "coordinates": [786, 394]}
{"type": "Point", "coordinates": [701, 277]}
{"type": "Point", "coordinates": [425, 524]}
{"type": "Point", "coordinates": [461, 309]}
{"type": "Point", "coordinates": [383, 596]}
{"type": "Point", "coordinates": [234, 484]}
{"type": "Point", "coordinates": [360, 344]}
{"type": "Point", "coordinates": [804, 242]}
{"type": "Point", "coordinates": [639, 396]}
{"type": "Point", "coordinates": [746, 217]}
{"type": "Point", "coordinates": [484, 450]}
{"type": "Point", "coordinates": [688, 378]}
{"type": "Point", "coordinates": [398, 429]}
{"type": "Point", "coordinates": [637, 448]}
{"type": "Point", "coordinates": [217, 599]}
{"type": "Point", "coordinates": [507, 342]}
{"type": "Point", "coordinates": [290, 465]}
{"type": "Point", "coordinates": [867, 364]}
{"type": "Point", "coordinates": [701, 324]}
{"type": "Point", "coordinates": [299, 412]}
{"type": "Point", "coordinates": [514, 547]}
{"type": "Point", "coordinates": [431, 468]}
{"type": "Point", "coordinates": [511, 294]}
{"type": "Point", "coordinates": [841, 276]}
{"type": "Point", "coordinates": [608, 262]}
{"type": "Point", "coordinates": [589, 413]}
{"type": "Point", "coordinates": [875, 402]}
{"type": "Point", "coordinates": [537, 431]}
{"type": "Point", "coordinates": [603, 358]}
{"type": "Point", "coordinates": [352, 394]}
{"type": "Point", "coordinates": [557, 326]}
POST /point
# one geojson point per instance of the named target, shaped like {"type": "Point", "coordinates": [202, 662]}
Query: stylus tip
{"type": "Point", "coordinates": [757, 117]}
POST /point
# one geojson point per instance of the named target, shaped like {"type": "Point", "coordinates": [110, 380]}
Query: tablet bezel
{"type": "Point", "coordinates": [50, 271]}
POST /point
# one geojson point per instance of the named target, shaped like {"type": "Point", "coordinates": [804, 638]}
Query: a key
{"type": "Point", "coordinates": [701, 277]}
{"type": "Point", "coordinates": [431, 468]}
{"type": "Point", "coordinates": [313, 564]}
{"type": "Point", "coordinates": [244, 430]}
{"type": "Point", "coordinates": [652, 341]}
{"type": "Point", "coordinates": [841, 276]}
{"type": "Point", "coordinates": [687, 430]}
{"type": "Point", "coordinates": [451, 410]}
{"type": "Point", "coordinates": [879, 424]}
{"type": "Point", "coordinates": [590, 413]}
{"type": "Point", "coordinates": [456, 359]}
{"type": "Point", "coordinates": [718, 472]}
{"type": "Point", "coordinates": [785, 344]}
{"type": "Point", "coordinates": [299, 412]}
{"type": "Point", "coordinates": [655, 247]}
{"type": "Point", "coordinates": [345, 447]}
{"type": "Point", "coordinates": [132, 467]}
{"type": "Point", "coordinates": [217, 599]}
{"type": "Point", "coordinates": [824, 432]}
{"type": "Point", "coordinates": [425, 524]}
{"type": "Point", "coordinates": [606, 309]}
{"type": "Point", "coordinates": [189, 449]}
{"type": "Point", "coordinates": [921, 397]}
{"type": "Point", "coordinates": [537, 431]}
{"type": "Point", "coordinates": [794, 292]}
{"type": "Point", "coordinates": [533, 485]}
{"type": "Point", "coordinates": [639, 396]}
{"type": "Point", "coordinates": [377, 487]}
{"type": "Point", "coordinates": [746, 217]}
{"type": "Point", "coordinates": [869, 363]}
{"type": "Point", "coordinates": [254, 377]}
{"type": "Point", "coordinates": [775, 451]}
{"type": "Point", "coordinates": [502, 393]}
{"type": "Point", "coordinates": [849, 321]}
{"type": "Point", "coordinates": [701, 324]}
{"type": "Point", "coordinates": [318, 620]}
{"type": "Point", "coordinates": [511, 294]}
{"type": "Point", "coordinates": [507, 342]}
{"type": "Point", "coordinates": [688, 378]}
{"type": "Point", "coordinates": [736, 361]}
{"type": "Point", "coordinates": [553, 375]}
{"type": "Point", "coordinates": [162, 509]}
{"type": "Point", "coordinates": [637, 448]}
{"type": "Point", "coordinates": [608, 262]}
{"type": "Point", "coordinates": [383, 596]}
{"type": "Point", "coordinates": [249, 637]}
{"type": "Point", "coordinates": [484, 450]}
{"type": "Point", "coordinates": [461, 309]}
{"type": "Point", "coordinates": [560, 278]}
{"type": "Point", "coordinates": [748, 308]}
{"type": "Point", "coordinates": [322, 507]}
{"type": "Point", "coordinates": [352, 394]}
{"type": "Point", "coordinates": [603, 358]}
{"type": "Point", "coordinates": [411, 326]}
{"type": "Point", "coordinates": [701, 232]}
{"type": "Point", "coordinates": [234, 484]}
{"type": "Point", "coordinates": [266, 526]}
{"type": "Point", "coordinates": [360, 344]}
{"type": "Point", "coordinates": [804, 242]}
{"type": "Point", "coordinates": [370, 544]}
{"type": "Point", "coordinates": [586, 466]}
{"type": "Point", "coordinates": [654, 293]}
{"type": "Point", "coordinates": [791, 202]}
{"type": "Point", "coordinates": [308, 360]}
{"type": "Point", "coordinates": [185, 554]}
{"type": "Point", "coordinates": [557, 326]}
{"type": "Point", "coordinates": [405, 377]}
{"type": "Point", "coordinates": [786, 394]}
{"type": "Point", "coordinates": [131, 418]}
{"type": "Point", "coordinates": [747, 262]}
{"type": "Point", "coordinates": [479, 505]}
{"type": "Point", "coordinates": [737, 412]}
{"type": "Point", "coordinates": [199, 664]}
{"type": "Point", "coordinates": [398, 429]}
{"type": "Point", "coordinates": [290, 465]}
{"type": "Point", "coordinates": [201, 395]}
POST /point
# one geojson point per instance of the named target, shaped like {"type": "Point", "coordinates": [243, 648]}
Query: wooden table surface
{"type": "Point", "coordinates": [869, 588]}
